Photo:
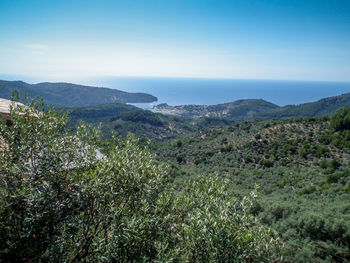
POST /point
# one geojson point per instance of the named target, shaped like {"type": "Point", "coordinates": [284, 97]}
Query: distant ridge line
{"type": "Point", "coordinates": [72, 95]}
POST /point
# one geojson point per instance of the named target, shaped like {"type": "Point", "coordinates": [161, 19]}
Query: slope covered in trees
{"type": "Point", "coordinates": [302, 167]}
{"type": "Point", "coordinates": [319, 108]}
{"type": "Point", "coordinates": [259, 109]}
{"type": "Point", "coordinates": [71, 95]}
{"type": "Point", "coordinates": [68, 196]}
{"type": "Point", "coordinates": [98, 113]}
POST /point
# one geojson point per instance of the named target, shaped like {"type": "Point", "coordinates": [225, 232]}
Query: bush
{"type": "Point", "coordinates": [181, 158]}
{"type": "Point", "coordinates": [267, 163]}
{"type": "Point", "coordinates": [227, 148]}
{"type": "Point", "coordinates": [335, 164]}
{"type": "Point", "coordinates": [179, 143]}
{"type": "Point", "coordinates": [324, 164]}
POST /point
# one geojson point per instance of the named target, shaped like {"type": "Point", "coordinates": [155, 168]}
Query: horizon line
{"type": "Point", "coordinates": [12, 77]}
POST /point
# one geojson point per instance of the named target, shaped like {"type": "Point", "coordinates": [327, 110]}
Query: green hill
{"type": "Point", "coordinates": [242, 109]}
{"type": "Point", "coordinates": [99, 113]}
{"type": "Point", "coordinates": [149, 125]}
{"type": "Point", "coordinates": [72, 95]}
{"type": "Point", "coordinates": [321, 107]}
{"type": "Point", "coordinates": [258, 109]}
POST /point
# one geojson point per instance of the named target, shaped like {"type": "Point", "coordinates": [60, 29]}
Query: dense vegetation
{"type": "Point", "coordinates": [71, 95]}
{"type": "Point", "coordinates": [67, 196]}
{"type": "Point", "coordinates": [148, 125]}
{"type": "Point", "coordinates": [98, 113]}
{"type": "Point", "coordinates": [302, 166]}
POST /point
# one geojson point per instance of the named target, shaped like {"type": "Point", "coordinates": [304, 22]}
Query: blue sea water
{"type": "Point", "coordinates": [180, 91]}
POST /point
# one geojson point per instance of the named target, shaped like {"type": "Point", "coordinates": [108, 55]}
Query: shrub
{"type": "Point", "coordinates": [227, 148]}
{"type": "Point", "coordinates": [267, 163]}
{"type": "Point", "coordinates": [324, 164]}
{"type": "Point", "coordinates": [181, 158]}
{"type": "Point", "coordinates": [308, 190]}
{"type": "Point", "coordinates": [179, 143]}
{"type": "Point", "coordinates": [335, 164]}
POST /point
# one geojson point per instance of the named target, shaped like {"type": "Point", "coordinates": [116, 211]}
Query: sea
{"type": "Point", "coordinates": [205, 91]}
{"type": "Point", "coordinates": [182, 91]}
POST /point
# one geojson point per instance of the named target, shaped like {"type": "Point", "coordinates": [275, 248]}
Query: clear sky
{"type": "Point", "coordinates": [261, 39]}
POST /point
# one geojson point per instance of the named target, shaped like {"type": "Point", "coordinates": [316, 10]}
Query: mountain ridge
{"type": "Point", "coordinates": [64, 94]}
{"type": "Point", "coordinates": [250, 109]}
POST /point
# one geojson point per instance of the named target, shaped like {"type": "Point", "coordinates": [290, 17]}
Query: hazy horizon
{"type": "Point", "coordinates": [94, 80]}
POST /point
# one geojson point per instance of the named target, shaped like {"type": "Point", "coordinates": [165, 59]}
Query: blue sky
{"type": "Point", "coordinates": [262, 39]}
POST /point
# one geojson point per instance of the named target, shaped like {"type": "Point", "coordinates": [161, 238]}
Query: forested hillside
{"type": "Point", "coordinates": [258, 109]}
{"type": "Point", "coordinates": [98, 113]}
{"type": "Point", "coordinates": [303, 170]}
{"type": "Point", "coordinates": [71, 95]}
{"type": "Point", "coordinates": [301, 165]}
{"type": "Point", "coordinates": [319, 108]}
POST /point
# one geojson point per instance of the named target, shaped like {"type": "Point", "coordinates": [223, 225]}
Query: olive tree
{"type": "Point", "coordinates": [39, 191]}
